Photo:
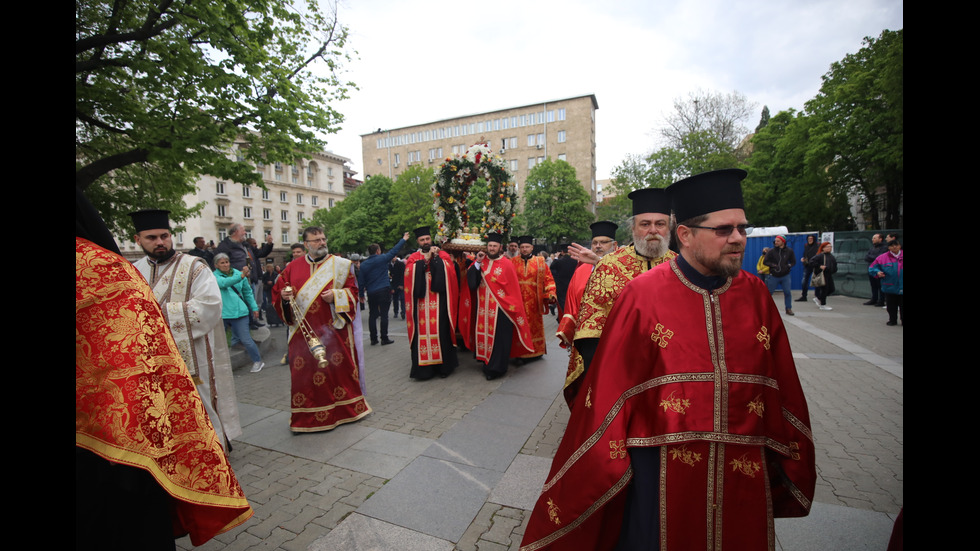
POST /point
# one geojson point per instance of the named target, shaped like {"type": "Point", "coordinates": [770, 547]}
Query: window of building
{"type": "Point", "coordinates": [299, 198]}
{"type": "Point", "coordinates": [284, 215]}
{"type": "Point", "coordinates": [514, 165]}
{"type": "Point", "coordinates": [313, 200]}
{"type": "Point", "coordinates": [330, 203]}
{"type": "Point", "coordinates": [551, 116]}
{"type": "Point", "coordinates": [222, 234]}
{"type": "Point", "coordinates": [265, 195]}
{"type": "Point", "coordinates": [398, 158]}
{"type": "Point", "coordinates": [246, 191]}
{"type": "Point", "coordinates": [504, 123]}
{"type": "Point", "coordinates": [285, 238]}
{"type": "Point", "coordinates": [278, 166]}
{"type": "Point", "coordinates": [283, 197]}
{"type": "Point", "coordinates": [530, 163]}
{"type": "Point", "coordinates": [248, 233]}
{"type": "Point", "coordinates": [299, 217]}
{"type": "Point", "coordinates": [541, 139]}
{"type": "Point", "coordinates": [562, 157]}
{"type": "Point", "coordinates": [530, 140]}
{"type": "Point", "coordinates": [219, 188]}
{"type": "Point", "coordinates": [561, 136]}
{"type": "Point", "coordinates": [278, 176]}
{"type": "Point", "coordinates": [221, 210]}
{"type": "Point", "coordinates": [561, 114]}
{"type": "Point", "coordinates": [513, 142]}
{"type": "Point", "coordinates": [295, 179]}
{"type": "Point", "coordinates": [267, 214]}
{"type": "Point", "coordinates": [247, 214]}
{"type": "Point", "coordinates": [329, 171]}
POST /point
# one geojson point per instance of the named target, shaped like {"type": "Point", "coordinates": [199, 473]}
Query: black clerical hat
{"type": "Point", "coordinates": [152, 219]}
{"type": "Point", "coordinates": [707, 192]}
{"type": "Point", "coordinates": [424, 230]}
{"type": "Point", "coordinates": [650, 200]}
{"type": "Point", "coordinates": [604, 228]}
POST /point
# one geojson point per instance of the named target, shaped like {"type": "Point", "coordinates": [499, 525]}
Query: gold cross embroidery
{"type": "Point", "coordinates": [617, 449]}
{"type": "Point", "coordinates": [661, 336]}
{"type": "Point", "coordinates": [764, 337]}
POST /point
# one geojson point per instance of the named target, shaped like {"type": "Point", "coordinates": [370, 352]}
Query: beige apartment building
{"type": "Point", "coordinates": [283, 209]}
{"type": "Point", "coordinates": [524, 136]}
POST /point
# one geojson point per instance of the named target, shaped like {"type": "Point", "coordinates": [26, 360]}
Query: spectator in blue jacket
{"type": "Point", "coordinates": [374, 282]}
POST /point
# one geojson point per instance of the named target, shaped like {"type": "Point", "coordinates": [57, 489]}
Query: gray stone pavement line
{"type": "Point", "coordinates": [859, 351]}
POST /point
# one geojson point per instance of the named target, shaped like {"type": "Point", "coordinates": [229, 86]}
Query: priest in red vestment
{"type": "Point", "coordinates": [537, 291]}
{"type": "Point", "coordinates": [502, 330]}
{"type": "Point", "coordinates": [149, 466]}
{"type": "Point", "coordinates": [691, 430]}
{"type": "Point", "coordinates": [650, 226]}
{"type": "Point", "coordinates": [431, 300]}
{"type": "Point", "coordinates": [603, 243]}
{"type": "Point", "coordinates": [316, 295]}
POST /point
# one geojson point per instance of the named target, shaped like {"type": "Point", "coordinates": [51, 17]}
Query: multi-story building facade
{"type": "Point", "coordinates": [282, 210]}
{"type": "Point", "coordinates": [524, 136]}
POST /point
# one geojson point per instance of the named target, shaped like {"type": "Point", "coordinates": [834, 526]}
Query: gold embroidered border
{"type": "Point", "coordinates": [800, 425]}
{"type": "Point", "coordinates": [599, 503]}
{"type": "Point", "coordinates": [615, 409]}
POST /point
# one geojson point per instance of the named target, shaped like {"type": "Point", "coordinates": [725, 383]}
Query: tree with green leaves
{"type": "Point", "coordinates": [411, 198]}
{"type": "Point", "coordinates": [787, 182]}
{"type": "Point", "coordinates": [364, 217]}
{"type": "Point", "coordinates": [555, 205]}
{"type": "Point", "coordinates": [162, 90]}
{"type": "Point", "coordinates": [860, 114]}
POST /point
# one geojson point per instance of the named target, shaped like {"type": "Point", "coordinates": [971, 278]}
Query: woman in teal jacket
{"type": "Point", "coordinates": [890, 268]}
{"type": "Point", "coordinates": [237, 307]}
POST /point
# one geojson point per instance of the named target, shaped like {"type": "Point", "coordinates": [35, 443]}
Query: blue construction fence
{"type": "Point", "coordinates": [850, 247]}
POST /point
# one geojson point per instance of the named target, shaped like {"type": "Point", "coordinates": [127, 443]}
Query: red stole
{"type": "Point", "coordinates": [500, 291]}
{"type": "Point", "coordinates": [428, 344]}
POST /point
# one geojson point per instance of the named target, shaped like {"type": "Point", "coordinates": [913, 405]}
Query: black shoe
{"type": "Point", "coordinates": [374, 343]}
{"type": "Point", "coordinates": [387, 341]}
{"type": "Point", "coordinates": [891, 323]}
{"type": "Point", "coordinates": [801, 299]}
{"type": "Point", "coordinates": [869, 303]}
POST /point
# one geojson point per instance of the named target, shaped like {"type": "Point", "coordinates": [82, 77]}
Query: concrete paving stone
{"type": "Point", "coordinates": [264, 528]}
{"type": "Point", "coordinates": [266, 494]}
{"type": "Point", "coordinates": [501, 529]}
{"type": "Point", "coordinates": [321, 446]}
{"type": "Point", "coordinates": [480, 524]}
{"type": "Point", "coordinates": [362, 533]}
{"type": "Point", "coordinates": [453, 495]}
{"type": "Point", "coordinates": [326, 484]}
{"type": "Point", "coordinates": [522, 482]}
{"type": "Point", "coordinates": [512, 409]}
{"type": "Point", "coordinates": [334, 516]}
{"type": "Point", "coordinates": [834, 527]}
{"type": "Point", "coordinates": [297, 523]}
{"type": "Point", "coordinates": [304, 540]}
{"type": "Point", "coordinates": [484, 545]}
{"type": "Point", "coordinates": [368, 462]}
{"type": "Point", "coordinates": [360, 495]}
{"type": "Point", "coordinates": [480, 442]}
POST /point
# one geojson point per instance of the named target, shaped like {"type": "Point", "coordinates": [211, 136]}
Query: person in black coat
{"type": "Point", "coordinates": [824, 263]}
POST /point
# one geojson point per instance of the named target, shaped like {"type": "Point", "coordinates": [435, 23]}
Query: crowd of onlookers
{"type": "Point", "coordinates": [885, 262]}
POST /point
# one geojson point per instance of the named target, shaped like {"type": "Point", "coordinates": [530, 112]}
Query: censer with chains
{"type": "Point", "coordinates": [312, 340]}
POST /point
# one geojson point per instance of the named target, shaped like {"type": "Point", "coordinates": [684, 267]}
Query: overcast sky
{"type": "Point", "coordinates": [424, 60]}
